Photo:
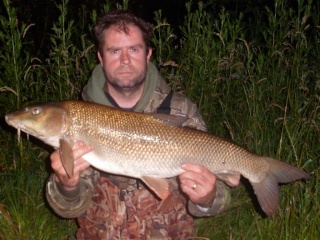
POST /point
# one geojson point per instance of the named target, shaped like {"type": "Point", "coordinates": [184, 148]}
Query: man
{"type": "Point", "coordinates": [118, 207]}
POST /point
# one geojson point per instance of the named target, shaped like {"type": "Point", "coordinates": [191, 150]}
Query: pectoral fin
{"type": "Point", "coordinates": [159, 185]}
{"type": "Point", "coordinates": [66, 155]}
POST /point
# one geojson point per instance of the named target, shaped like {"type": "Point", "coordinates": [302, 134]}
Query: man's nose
{"type": "Point", "coordinates": [125, 58]}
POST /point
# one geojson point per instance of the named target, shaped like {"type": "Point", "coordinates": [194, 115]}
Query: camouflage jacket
{"type": "Point", "coordinates": [116, 207]}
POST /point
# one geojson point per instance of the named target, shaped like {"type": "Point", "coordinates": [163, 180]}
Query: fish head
{"type": "Point", "coordinates": [44, 121]}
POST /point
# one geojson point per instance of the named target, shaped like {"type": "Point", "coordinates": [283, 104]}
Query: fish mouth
{"type": "Point", "coordinates": [12, 122]}
{"type": "Point", "coordinates": [21, 127]}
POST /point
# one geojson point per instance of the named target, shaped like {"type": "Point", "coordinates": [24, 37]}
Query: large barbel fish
{"type": "Point", "coordinates": [149, 147]}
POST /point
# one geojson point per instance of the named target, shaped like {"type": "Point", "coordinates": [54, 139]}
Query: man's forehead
{"type": "Point", "coordinates": [116, 36]}
{"type": "Point", "coordinates": [128, 29]}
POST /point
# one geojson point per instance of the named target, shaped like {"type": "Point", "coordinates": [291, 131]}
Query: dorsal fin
{"type": "Point", "coordinates": [173, 120]}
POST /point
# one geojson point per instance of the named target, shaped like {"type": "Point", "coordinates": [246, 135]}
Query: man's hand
{"type": "Point", "coordinates": [79, 149]}
{"type": "Point", "coordinates": [199, 184]}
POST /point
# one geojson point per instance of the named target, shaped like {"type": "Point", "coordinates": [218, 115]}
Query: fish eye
{"type": "Point", "coordinates": [36, 111]}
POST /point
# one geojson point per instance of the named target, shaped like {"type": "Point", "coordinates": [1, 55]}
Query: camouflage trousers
{"type": "Point", "coordinates": [139, 216]}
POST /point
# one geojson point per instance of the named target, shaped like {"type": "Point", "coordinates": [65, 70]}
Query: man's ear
{"type": "Point", "coordinates": [149, 54]}
{"type": "Point", "coordinates": [99, 57]}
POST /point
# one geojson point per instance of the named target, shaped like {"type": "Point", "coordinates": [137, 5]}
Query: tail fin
{"type": "Point", "coordinates": [267, 191]}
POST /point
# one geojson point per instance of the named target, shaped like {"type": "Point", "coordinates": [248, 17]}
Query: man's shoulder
{"type": "Point", "coordinates": [178, 104]}
{"type": "Point", "coordinates": [178, 101]}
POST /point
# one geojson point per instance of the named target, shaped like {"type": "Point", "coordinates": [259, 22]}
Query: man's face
{"type": "Point", "coordinates": [124, 59]}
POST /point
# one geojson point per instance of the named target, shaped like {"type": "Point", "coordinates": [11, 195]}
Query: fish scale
{"type": "Point", "coordinates": [150, 147]}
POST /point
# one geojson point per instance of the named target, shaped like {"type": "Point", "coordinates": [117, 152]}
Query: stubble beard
{"type": "Point", "coordinates": [128, 87]}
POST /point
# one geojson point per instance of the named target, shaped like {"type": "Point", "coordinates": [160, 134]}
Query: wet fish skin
{"type": "Point", "coordinates": [149, 147]}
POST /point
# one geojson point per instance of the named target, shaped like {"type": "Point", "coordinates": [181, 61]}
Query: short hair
{"type": "Point", "coordinates": [121, 19]}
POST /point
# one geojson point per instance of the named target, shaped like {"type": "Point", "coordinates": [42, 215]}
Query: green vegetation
{"type": "Point", "coordinates": [255, 82]}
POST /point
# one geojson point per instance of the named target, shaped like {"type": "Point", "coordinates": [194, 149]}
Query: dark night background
{"type": "Point", "coordinates": [43, 13]}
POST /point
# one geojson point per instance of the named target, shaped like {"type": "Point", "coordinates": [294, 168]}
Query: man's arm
{"type": "Point", "coordinates": [71, 203]}
{"type": "Point", "coordinates": [210, 189]}
{"type": "Point", "coordinates": [69, 197]}
{"type": "Point", "coordinates": [220, 203]}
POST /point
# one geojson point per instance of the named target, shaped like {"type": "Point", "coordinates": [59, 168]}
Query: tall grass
{"type": "Point", "coordinates": [23, 80]}
{"type": "Point", "coordinates": [24, 214]}
{"type": "Point", "coordinates": [256, 83]}
{"type": "Point", "coordinates": [14, 58]}
{"type": "Point", "coordinates": [263, 93]}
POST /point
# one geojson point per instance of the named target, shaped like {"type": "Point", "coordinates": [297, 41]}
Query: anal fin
{"type": "Point", "coordinates": [229, 177]}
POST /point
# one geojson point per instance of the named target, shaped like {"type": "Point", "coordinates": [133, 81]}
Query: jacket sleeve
{"type": "Point", "coordinates": [71, 204]}
{"type": "Point", "coordinates": [220, 203]}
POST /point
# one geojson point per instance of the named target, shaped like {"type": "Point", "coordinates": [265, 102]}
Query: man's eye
{"type": "Point", "coordinates": [133, 50]}
{"type": "Point", "coordinates": [114, 51]}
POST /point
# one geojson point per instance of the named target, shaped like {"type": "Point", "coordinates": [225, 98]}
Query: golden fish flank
{"type": "Point", "coordinates": [150, 147]}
